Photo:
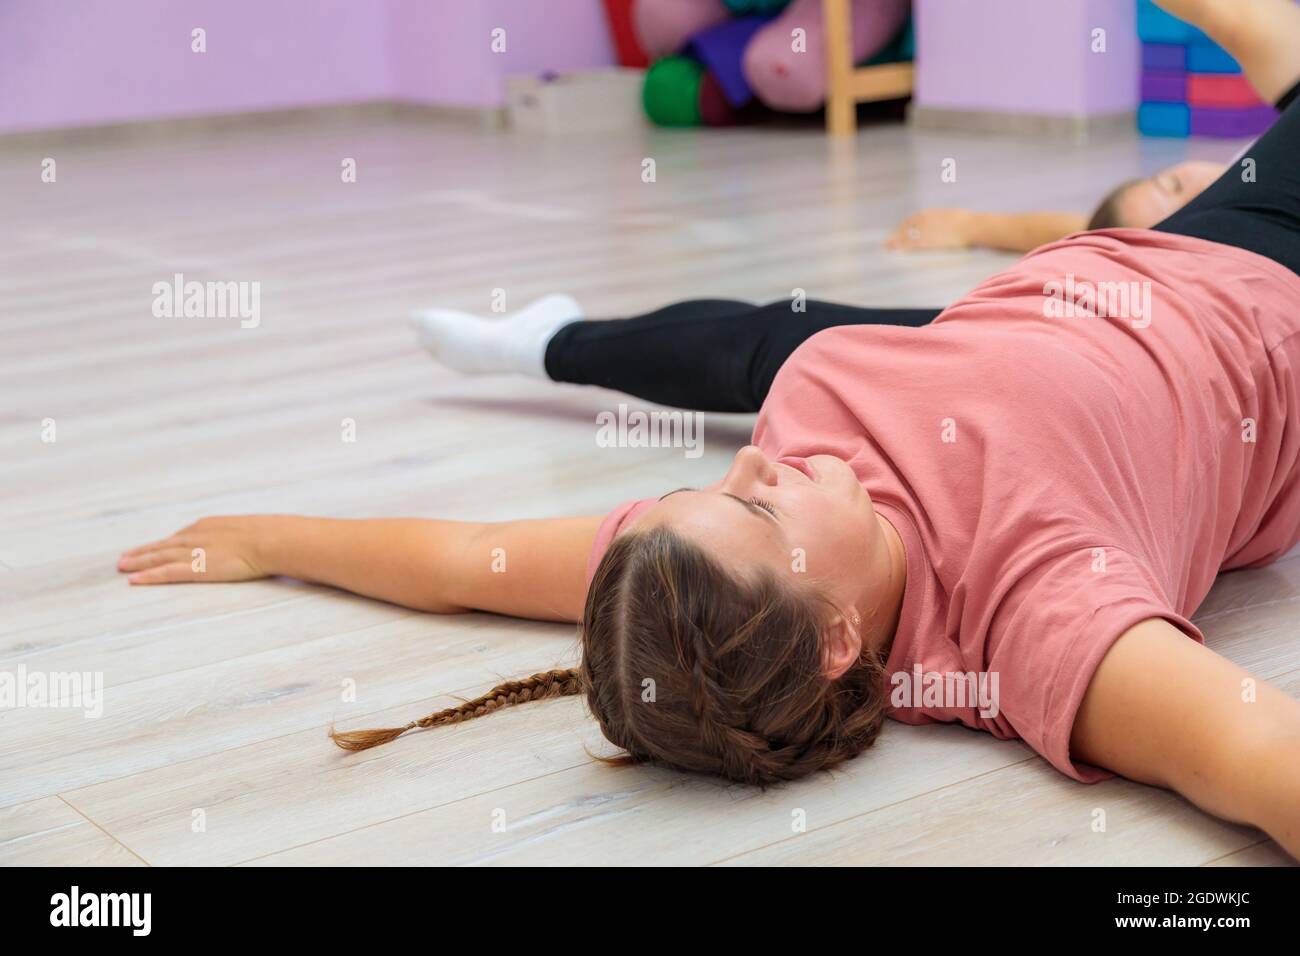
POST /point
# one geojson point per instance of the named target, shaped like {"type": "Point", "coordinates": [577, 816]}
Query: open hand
{"type": "Point", "coordinates": [210, 550]}
{"type": "Point", "coordinates": [932, 229]}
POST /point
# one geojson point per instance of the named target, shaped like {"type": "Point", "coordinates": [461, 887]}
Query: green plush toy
{"type": "Point", "coordinates": [672, 91]}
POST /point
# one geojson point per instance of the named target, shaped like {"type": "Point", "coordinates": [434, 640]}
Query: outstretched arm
{"type": "Point", "coordinates": [968, 229]}
{"type": "Point", "coordinates": [1165, 710]}
{"type": "Point", "coordinates": [532, 569]}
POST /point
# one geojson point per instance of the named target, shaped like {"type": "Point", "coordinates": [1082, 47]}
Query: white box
{"type": "Point", "coordinates": [559, 104]}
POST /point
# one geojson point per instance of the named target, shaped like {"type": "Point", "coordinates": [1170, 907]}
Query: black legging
{"type": "Point", "coordinates": [721, 356]}
{"type": "Point", "coordinates": [712, 355]}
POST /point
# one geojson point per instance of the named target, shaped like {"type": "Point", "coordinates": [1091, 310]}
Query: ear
{"type": "Point", "coordinates": [841, 647]}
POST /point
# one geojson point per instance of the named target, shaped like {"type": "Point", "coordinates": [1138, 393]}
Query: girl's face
{"type": "Point", "coordinates": [806, 516]}
{"type": "Point", "coordinates": [1151, 200]}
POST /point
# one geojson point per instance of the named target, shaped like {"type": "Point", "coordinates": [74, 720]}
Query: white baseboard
{"type": "Point", "coordinates": [1077, 128]}
{"type": "Point", "coordinates": [487, 118]}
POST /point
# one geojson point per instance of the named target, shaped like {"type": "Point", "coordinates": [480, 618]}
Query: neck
{"type": "Point", "coordinates": [887, 582]}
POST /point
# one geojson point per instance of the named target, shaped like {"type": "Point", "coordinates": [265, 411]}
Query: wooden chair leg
{"type": "Point", "coordinates": [841, 112]}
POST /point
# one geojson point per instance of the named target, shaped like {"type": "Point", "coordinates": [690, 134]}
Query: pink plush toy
{"type": "Point", "coordinates": [796, 82]}
{"type": "Point", "coordinates": [664, 26]}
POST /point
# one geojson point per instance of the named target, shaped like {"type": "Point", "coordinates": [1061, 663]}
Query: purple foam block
{"type": "Point", "coordinates": [1164, 87]}
{"type": "Point", "coordinates": [722, 51]}
{"type": "Point", "coordinates": [1164, 58]}
{"type": "Point", "coordinates": [1232, 124]}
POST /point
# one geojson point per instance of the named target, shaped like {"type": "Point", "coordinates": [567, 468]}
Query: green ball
{"type": "Point", "coordinates": [671, 96]}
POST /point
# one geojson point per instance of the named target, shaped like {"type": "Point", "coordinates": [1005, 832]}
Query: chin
{"type": "Point", "coordinates": [836, 472]}
{"type": "Point", "coordinates": [840, 480]}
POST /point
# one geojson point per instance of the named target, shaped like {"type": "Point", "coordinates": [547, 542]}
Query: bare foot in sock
{"type": "Point", "coordinates": [510, 343]}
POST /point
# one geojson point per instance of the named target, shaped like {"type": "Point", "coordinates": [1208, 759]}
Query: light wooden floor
{"type": "Point", "coordinates": [218, 697]}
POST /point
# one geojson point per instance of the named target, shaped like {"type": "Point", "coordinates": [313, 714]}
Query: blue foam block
{"type": "Point", "coordinates": [1164, 57]}
{"type": "Point", "coordinates": [1165, 119]}
{"type": "Point", "coordinates": [1209, 58]}
{"type": "Point", "coordinates": [1156, 26]}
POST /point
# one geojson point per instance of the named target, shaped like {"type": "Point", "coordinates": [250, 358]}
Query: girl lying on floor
{"type": "Point", "coordinates": [1138, 204]}
{"type": "Point", "coordinates": [1044, 501]}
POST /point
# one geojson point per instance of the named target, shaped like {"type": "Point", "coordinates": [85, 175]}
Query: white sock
{"type": "Point", "coordinates": [511, 343]}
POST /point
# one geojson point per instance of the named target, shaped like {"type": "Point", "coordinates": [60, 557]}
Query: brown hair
{"type": "Point", "coordinates": [685, 665]}
{"type": "Point", "coordinates": [1110, 214]}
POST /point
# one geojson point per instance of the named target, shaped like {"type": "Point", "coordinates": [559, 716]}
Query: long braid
{"type": "Point", "coordinates": [553, 683]}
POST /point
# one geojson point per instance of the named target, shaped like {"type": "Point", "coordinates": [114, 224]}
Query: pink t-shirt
{"type": "Point", "coordinates": [1056, 480]}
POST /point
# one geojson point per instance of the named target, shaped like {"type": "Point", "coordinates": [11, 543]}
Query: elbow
{"type": "Point", "coordinates": [1269, 775]}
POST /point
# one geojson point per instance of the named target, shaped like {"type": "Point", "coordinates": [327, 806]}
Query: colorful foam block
{"type": "Point", "coordinates": [722, 51]}
{"type": "Point", "coordinates": [1206, 57]}
{"type": "Point", "coordinates": [1221, 91]}
{"type": "Point", "coordinates": [1232, 124]}
{"type": "Point", "coordinates": [1165, 119]}
{"type": "Point", "coordinates": [1156, 26]}
{"type": "Point", "coordinates": [1164, 57]}
{"type": "Point", "coordinates": [1164, 87]}
{"type": "Point", "coordinates": [1190, 85]}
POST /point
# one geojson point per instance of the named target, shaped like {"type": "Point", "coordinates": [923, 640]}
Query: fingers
{"type": "Point", "coordinates": [149, 556]}
{"type": "Point", "coordinates": [171, 573]}
{"type": "Point", "coordinates": [182, 537]}
{"type": "Point", "coordinates": [899, 241]}
{"type": "Point", "coordinates": [900, 238]}
{"type": "Point", "coordinates": [903, 244]}
{"type": "Point", "coordinates": [151, 546]}
{"type": "Point", "coordinates": [166, 560]}
{"type": "Point", "coordinates": [913, 233]}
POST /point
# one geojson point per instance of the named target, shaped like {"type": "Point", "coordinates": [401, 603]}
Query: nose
{"type": "Point", "coordinates": [749, 468]}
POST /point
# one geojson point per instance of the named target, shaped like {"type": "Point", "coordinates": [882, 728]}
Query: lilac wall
{"type": "Point", "coordinates": [85, 62]}
{"type": "Point", "coordinates": [78, 62]}
{"type": "Point", "coordinates": [75, 62]}
{"type": "Point", "coordinates": [441, 49]}
{"type": "Point", "coordinates": [1027, 56]}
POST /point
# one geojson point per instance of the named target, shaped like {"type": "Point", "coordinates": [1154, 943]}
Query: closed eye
{"type": "Point", "coordinates": [755, 505]}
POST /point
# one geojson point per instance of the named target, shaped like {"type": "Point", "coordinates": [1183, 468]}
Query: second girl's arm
{"type": "Point", "coordinates": [967, 229]}
{"type": "Point", "coordinates": [533, 569]}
